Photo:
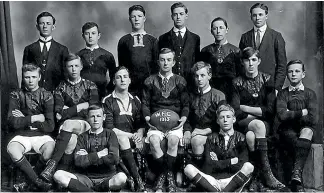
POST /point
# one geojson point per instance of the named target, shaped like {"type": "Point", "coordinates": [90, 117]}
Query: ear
{"type": "Point", "coordinates": [217, 121]}
{"type": "Point", "coordinates": [99, 35]}
{"type": "Point", "coordinates": [37, 27]}
{"type": "Point", "coordinates": [304, 74]}
{"type": "Point", "coordinates": [53, 27]}
{"type": "Point", "coordinates": [234, 119]}
{"type": "Point", "coordinates": [104, 116]}
{"type": "Point", "coordinates": [144, 19]}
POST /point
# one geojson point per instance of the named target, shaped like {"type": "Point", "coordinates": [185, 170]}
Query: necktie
{"type": "Point", "coordinates": [44, 53]}
{"type": "Point", "coordinates": [164, 83]}
{"type": "Point", "coordinates": [258, 39]}
{"type": "Point", "coordinates": [179, 37]}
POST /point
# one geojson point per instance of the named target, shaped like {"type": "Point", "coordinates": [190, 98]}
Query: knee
{"type": "Point", "coordinates": [155, 142]}
{"type": "Point", "coordinates": [306, 133]}
{"type": "Point", "coordinates": [71, 125]}
{"type": "Point", "coordinates": [71, 145]}
{"type": "Point", "coordinates": [247, 168]}
{"type": "Point", "coordinates": [123, 141]}
{"type": "Point", "coordinates": [47, 150]}
{"type": "Point", "coordinates": [15, 150]}
{"type": "Point", "coordinates": [59, 176]}
{"type": "Point", "coordinates": [250, 136]}
{"type": "Point", "coordinates": [196, 142]}
{"type": "Point", "coordinates": [190, 171]}
{"type": "Point", "coordinates": [258, 127]}
{"type": "Point", "coordinates": [120, 179]}
{"type": "Point", "coordinates": [173, 142]}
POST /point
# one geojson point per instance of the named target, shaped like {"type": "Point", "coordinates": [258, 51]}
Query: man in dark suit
{"type": "Point", "coordinates": [270, 44]}
{"type": "Point", "coordinates": [185, 43]}
{"type": "Point", "coordinates": [47, 53]}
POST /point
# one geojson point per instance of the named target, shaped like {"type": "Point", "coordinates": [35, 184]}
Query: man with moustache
{"type": "Point", "coordinates": [185, 43]}
{"type": "Point", "coordinates": [46, 53]}
{"type": "Point", "coordinates": [270, 44]}
{"type": "Point", "coordinates": [137, 51]}
{"type": "Point", "coordinates": [99, 65]}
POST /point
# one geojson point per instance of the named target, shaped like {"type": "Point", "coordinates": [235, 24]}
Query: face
{"type": "Point", "coordinates": [137, 20]}
{"type": "Point", "coordinates": [31, 79]}
{"type": "Point", "coordinates": [259, 17]}
{"type": "Point", "coordinates": [96, 118]}
{"type": "Point", "coordinates": [45, 26]}
{"type": "Point", "coordinates": [226, 119]}
{"type": "Point", "coordinates": [122, 79]}
{"type": "Point", "coordinates": [295, 73]}
{"type": "Point", "coordinates": [91, 36]}
{"type": "Point", "coordinates": [251, 64]}
{"type": "Point", "coordinates": [219, 30]}
{"type": "Point", "coordinates": [179, 17]}
{"type": "Point", "coordinates": [202, 78]}
{"type": "Point", "coordinates": [166, 62]}
{"type": "Point", "coordinates": [74, 68]}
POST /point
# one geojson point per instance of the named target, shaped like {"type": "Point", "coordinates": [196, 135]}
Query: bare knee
{"type": "Point", "coordinates": [63, 178]}
{"type": "Point", "coordinates": [71, 126]}
{"type": "Point", "coordinates": [197, 141]}
{"type": "Point", "coordinates": [306, 133]}
{"type": "Point", "coordinates": [250, 136]}
{"type": "Point", "coordinates": [190, 171]}
{"type": "Point", "coordinates": [47, 150]}
{"type": "Point", "coordinates": [173, 142]}
{"type": "Point", "coordinates": [155, 142]}
{"type": "Point", "coordinates": [258, 127]}
{"type": "Point", "coordinates": [71, 145]}
{"type": "Point", "coordinates": [247, 168]}
{"type": "Point", "coordinates": [123, 142]}
{"type": "Point", "coordinates": [120, 179]}
{"type": "Point", "coordinates": [15, 150]}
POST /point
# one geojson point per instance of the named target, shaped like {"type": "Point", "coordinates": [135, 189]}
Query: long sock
{"type": "Point", "coordinates": [201, 182]}
{"type": "Point", "coordinates": [129, 162]}
{"type": "Point", "coordinates": [77, 186]}
{"type": "Point", "coordinates": [25, 166]}
{"type": "Point", "coordinates": [197, 160]}
{"type": "Point", "coordinates": [66, 162]}
{"type": "Point", "coordinates": [160, 162]}
{"type": "Point", "coordinates": [40, 165]}
{"type": "Point", "coordinates": [302, 150]}
{"type": "Point", "coordinates": [170, 162]}
{"type": "Point", "coordinates": [62, 141]}
{"type": "Point", "coordinates": [237, 181]}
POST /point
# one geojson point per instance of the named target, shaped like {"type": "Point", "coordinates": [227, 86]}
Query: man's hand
{"type": "Point", "coordinates": [82, 106]}
{"type": "Point", "coordinates": [17, 113]}
{"type": "Point", "coordinates": [82, 152]}
{"type": "Point", "coordinates": [276, 92]}
{"type": "Point", "coordinates": [234, 160]}
{"type": "Point", "coordinates": [58, 116]}
{"type": "Point", "coordinates": [304, 112]}
{"type": "Point", "coordinates": [186, 139]}
{"type": "Point", "coordinates": [197, 132]}
{"type": "Point", "coordinates": [137, 137]}
{"type": "Point", "coordinates": [103, 153]}
{"type": "Point", "coordinates": [181, 123]}
{"type": "Point", "coordinates": [147, 119]}
{"type": "Point", "coordinates": [32, 128]}
{"type": "Point", "coordinates": [213, 156]}
{"type": "Point", "coordinates": [65, 107]}
{"type": "Point", "coordinates": [37, 118]}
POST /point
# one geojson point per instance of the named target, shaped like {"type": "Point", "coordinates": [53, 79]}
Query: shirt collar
{"type": "Point", "coordinates": [96, 47]}
{"type": "Point", "coordinates": [47, 39]}
{"type": "Point", "coordinates": [228, 133]}
{"type": "Point", "coordinates": [226, 42]}
{"type": "Point", "coordinates": [206, 90]}
{"type": "Point", "coordinates": [168, 77]}
{"type": "Point", "coordinates": [115, 96]}
{"type": "Point", "coordinates": [74, 83]}
{"type": "Point", "coordinates": [300, 87]}
{"type": "Point", "coordinates": [183, 30]}
{"type": "Point", "coordinates": [136, 33]}
{"type": "Point", "coordinates": [98, 131]}
{"type": "Point", "coordinates": [262, 29]}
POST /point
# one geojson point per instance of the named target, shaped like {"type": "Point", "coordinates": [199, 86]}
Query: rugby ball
{"type": "Point", "coordinates": [164, 119]}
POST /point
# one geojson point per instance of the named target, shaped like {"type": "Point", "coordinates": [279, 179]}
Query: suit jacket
{"type": "Point", "coordinates": [53, 72]}
{"type": "Point", "coordinates": [272, 51]}
{"type": "Point", "coordinates": [190, 51]}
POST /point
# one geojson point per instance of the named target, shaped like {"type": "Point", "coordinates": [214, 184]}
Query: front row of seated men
{"type": "Point", "coordinates": [220, 155]}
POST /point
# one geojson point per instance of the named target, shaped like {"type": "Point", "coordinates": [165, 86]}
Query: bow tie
{"type": "Point", "coordinates": [44, 41]}
{"type": "Point", "coordinates": [295, 89]}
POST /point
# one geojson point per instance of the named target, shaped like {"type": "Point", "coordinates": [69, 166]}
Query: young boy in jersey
{"type": "Point", "coordinates": [123, 116]}
{"type": "Point", "coordinates": [99, 65]}
{"type": "Point", "coordinates": [31, 117]}
{"type": "Point", "coordinates": [297, 112]}
{"type": "Point", "coordinates": [165, 90]}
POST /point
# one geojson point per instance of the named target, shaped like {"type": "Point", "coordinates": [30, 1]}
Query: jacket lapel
{"type": "Point", "coordinates": [170, 39]}
{"type": "Point", "coordinates": [265, 40]}
{"type": "Point", "coordinates": [51, 52]}
{"type": "Point", "coordinates": [188, 42]}
{"type": "Point", "coordinates": [37, 52]}
{"type": "Point", "coordinates": [250, 38]}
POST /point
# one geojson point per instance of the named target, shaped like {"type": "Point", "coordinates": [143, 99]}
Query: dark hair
{"type": "Point", "coordinates": [45, 14]}
{"type": "Point", "coordinates": [30, 67]}
{"type": "Point", "coordinates": [119, 68]}
{"type": "Point", "coordinates": [179, 4]}
{"type": "Point", "coordinates": [199, 65]}
{"type": "Point", "coordinates": [89, 25]}
{"type": "Point", "coordinates": [291, 62]}
{"type": "Point", "coordinates": [259, 5]}
{"type": "Point", "coordinates": [71, 57]}
{"type": "Point", "coordinates": [225, 107]}
{"type": "Point", "coordinates": [95, 106]}
{"type": "Point", "coordinates": [218, 19]}
{"type": "Point", "coordinates": [137, 8]}
{"type": "Point", "coordinates": [166, 51]}
{"type": "Point", "coordinates": [248, 52]}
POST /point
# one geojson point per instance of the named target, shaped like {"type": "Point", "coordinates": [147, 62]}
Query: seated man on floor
{"type": "Point", "coordinates": [96, 156]}
{"type": "Point", "coordinates": [32, 119]}
{"type": "Point", "coordinates": [165, 90]}
{"type": "Point", "coordinates": [72, 99]}
{"type": "Point", "coordinates": [297, 112]}
{"type": "Point", "coordinates": [123, 116]}
{"type": "Point", "coordinates": [226, 167]}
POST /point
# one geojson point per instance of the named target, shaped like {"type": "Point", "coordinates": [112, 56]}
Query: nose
{"type": "Point", "coordinates": [217, 31]}
{"type": "Point", "coordinates": [225, 119]}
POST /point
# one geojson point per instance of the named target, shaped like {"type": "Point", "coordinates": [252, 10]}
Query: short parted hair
{"type": "Point", "coordinates": [89, 25]}
{"type": "Point", "coordinates": [248, 52]}
{"type": "Point", "coordinates": [291, 62]}
{"type": "Point", "coordinates": [259, 5]}
{"type": "Point", "coordinates": [199, 65]}
{"type": "Point", "coordinates": [30, 67]}
{"type": "Point", "coordinates": [45, 14]}
{"type": "Point", "coordinates": [136, 8]}
{"type": "Point", "coordinates": [95, 106]}
{"type": "Point", "coordinates": [218, 19]}
{"type": "Point", "coordinates": [225, 107]}
{"type": "Point", "coordinates": [179, 4]}
{"type": "Point", "coordinates": [119, 68]}
{"type": "Point", "coordinates": [71, 57]}
{"type": "Point", "coordinates": [166, 51]}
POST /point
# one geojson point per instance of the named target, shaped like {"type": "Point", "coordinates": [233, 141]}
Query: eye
{"type": "Point", "coordinates": [254, 59]}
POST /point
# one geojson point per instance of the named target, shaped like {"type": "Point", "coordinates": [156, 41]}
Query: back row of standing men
{"type": "Point", "coordinates": [138, 52]}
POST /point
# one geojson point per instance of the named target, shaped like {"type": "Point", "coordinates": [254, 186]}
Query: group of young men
{"type": "Point", "coordinates": [100, 112]}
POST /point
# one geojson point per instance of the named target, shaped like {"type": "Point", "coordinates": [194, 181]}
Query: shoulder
{"type": "Point", "coordinates": [59, 45]}
{"type": "Point", "coordinates": [47, 95]}
{"type": "Point", "coordinates": [310, 91]}
{"type": "Point", "coordinates": [232, 47]}
{"type": "Point", "coordinates": [180, 80]}
{"type": "Point", "coordinates": [107, 99]}
{"type": "Point", "coordinates": [239, 136]}
{"type": "Point", "coordinates": [238, 81]}
{"type": "Point", "coordinates": [124, 38]}
{"type": "Point", "coordinates": [89, 83]}
{"type": "Point", "coordinates": [207, 48]}
{"type": "Point", "coordinates": [83, 135]}
{"type": "Point", "coordinates": [104, 51]}
{"type": "Point", "coordinates": [109, 133]}
{"type": "Point", "coordinates": [149, 80]}
{"type": "Point", "coordinates": [247, 33]}
{"type": "Point", "coordinates": [16, 94]}
{"type": "Point", "coordinates": [165, 35]}
{"type": "Point", "coordinates": [193, 34]}
{"type": "Point", "coordinates": [82, 52]}
{"type": "Point", "coordinates": [218, 93]}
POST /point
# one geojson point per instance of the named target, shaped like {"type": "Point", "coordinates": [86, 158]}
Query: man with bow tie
{"type": "Point", "coordinates": [137, 50]}
{"type": "Point", "coordinates": [269, 42]}
{"type": "Point", "coordinates": [297, 113]}
{"type": "Point", "coordinates": [46, 53]}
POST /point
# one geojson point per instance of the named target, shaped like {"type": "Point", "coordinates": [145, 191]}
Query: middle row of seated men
{"type": "Point", "coordinates": [32, 111]}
